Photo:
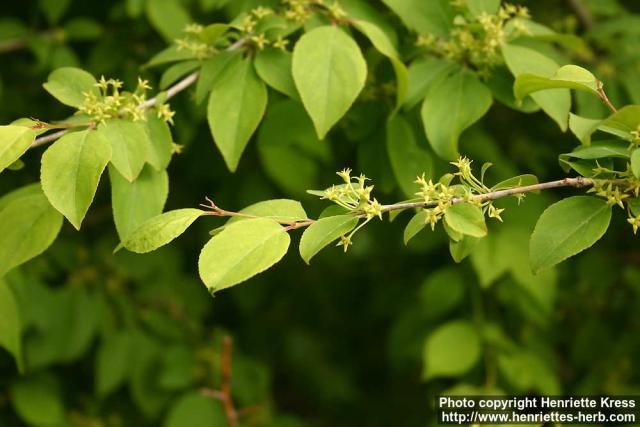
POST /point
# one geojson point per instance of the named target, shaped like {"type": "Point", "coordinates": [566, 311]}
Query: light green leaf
{"type": "Point", "coordinates": [274, 67]}
{"type": "Point", "coordinates": [423, 75]}
{"type": "Point", "coordinates": [14, 142]}
{"type": "Point", "coordinates": [555, 102]}
{"type": "Point", "coordinates": [71, 170]}
{"type": "Point", "coordinates": [130, 145]}
{"type": "Point", "coordinates": [323, 232]}
{"type": "Point", "coordinates": [582, 127]}
{"type": "Point", "coordinates": [280, 210]}
{"type": "Point", "coordinates": [466, 218]}
{"type": "Point", "coordinates": [170, 54]}
{"type": "Point", "coordinates": [28, 226]}
{"type": "Point", "coordinates": [600, 150]}
{"type": "Point", "coordinates": [478, 7]}
{"type": "Point", "coordinates": [135, 202]}
{"type": "Point", "coordinates": [10, 324]}
{"type": "Point", "coordinates": [38, 400]}
{"type": "Point", "coordinates": [161, 142]}
{"type": "Point", "coordinates": [433, 16]}
{"type": "Point", "coordinates": [176, 71]}
{"type": "Point", "coordinates": [635, 163]}
{"type": "Point", "coordinates": [160, 230]}
{"type": "Point", "coordinates": [568, 76]}
{"type": "Point", "coordinates": [168, 17]}
{"type": "Point", "coordinates": [516, 181]}
{"type": "Point", "coordinates": [68, 84]}
{"type": "Point", "coordinates": [241, 251]}
{"type": "Point", "coordinates": [408, 159]}
{"type": "Point", "coordinates": [196, 410]}
{"type": "Point", "coordinates": [236, 106]}
{"type": "Point", "coordinates": [112, 362]}
{"type": "Point", "coordinates": [329, 72]}
{"type": "Point", "coordinates": [451, 350]}
{"type": "Point", "coordinates": [623, 122]}
{"type": "Point", "coordinates": [415, 225]}
{"type": "Point", "coordinates": [457, 102]}
{"type": "Point", "coordinates": [211, 70]}
{"type": "Point", "coordinates": [567, 228]}
{"type": "Point", "coordinates": [381, 42]}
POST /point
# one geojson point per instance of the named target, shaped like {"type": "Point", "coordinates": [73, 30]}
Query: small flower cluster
{"type": "Point", "coordinates": [300, 10]}
{"type": "Point", "coordinates": [619, 191]}
{"type": "Point", "coordinates": [192, 42]}
{"type": "Point", "coordinates": [111, 102]}
{"type": "Point", "coordinates": [476, 40]}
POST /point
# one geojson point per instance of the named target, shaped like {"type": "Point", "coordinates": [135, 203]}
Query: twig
{"type": "Point", "coordinates": [169, 93]}
{"type": "Point", "coordinates": [583, 13]}
{"type": "Point", "coordinates": [603, 96]}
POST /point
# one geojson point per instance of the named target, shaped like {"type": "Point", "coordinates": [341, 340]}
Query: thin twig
{"type": "Point", "coordinates": [224, 394]}
{"type": "Point", "coordinates": [583, 13]}
{"type": "Point", "coordinates": [603, 96]}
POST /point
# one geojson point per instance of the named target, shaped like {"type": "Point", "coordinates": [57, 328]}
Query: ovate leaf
{"type": "Point", "coordinates": [451, 106]}
{"type": "Point", "coordinates": [241, 251]}
{"type": "Point", "coordinates": [566, 228]}
{"type": "Point", "coordinates": [160, 230]}
{"type": "Point", "coordinates": [451, 350]}
{"type": "Point", "coordinates": [129, 145]}
{"type": "Point", "coordinates": [329, 72]}
{"type": "Point", "coordinates": [324, 231]}
{"type": "Point", "coordinates": [38, 400]}
{"type": "Point", "coordinates": [568, 77]}
{"type": "Point", "coordinates": [433, 16]}
{"type": "Point", "coordinates": [274, 67]}
{"type": "Point", "coordinates": [71, 170]}
{"type": "Point", "coordinates": [68, 85]}
{"type": "Point", "coordinates": [583, 127]}
{"type": "Point", "coordinates": [622, 122]}
{"type": "Point", "coordinates": [161, 142]}
{"type": "Point", "coordinates": [112, 361]}
{"type": "Point", "coordinates": [417, 223]}
{"type": "Point", "coordinates": [236, 106]}
{"type": "Point", "coordinates": [466, 218]}
{"type": "Point", "coordinates": [211, 70]}
{"type": "Point", "coordinates": [168, 17]}
{"type": "Point", "coordinates": [14, 142]}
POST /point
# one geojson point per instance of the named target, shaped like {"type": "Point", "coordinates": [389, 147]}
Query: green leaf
{"type": "Point", "coordinates": [211, 70]}
{"type": "Point", "coordinates": [135, 202]}
{"type": "Point", "coordinates": [600, 150]}
{"type": "Point", "coordinates": [623, 122]}
{"type": "Point", "coordinates": [236, 106]}
{"type": "Point", "coordinates": [280, 210]}
{"type": "Point", "coordinates": [442, 291]}
{"type": "Point", "coordinates": [323, 232]}
{"type": "Point", "coordinates": [381, 42]}
{"type": "Point", "coordinates": [176, 71]}
{"type": "Point", "coordinates": [567, 228]}
{"type": "Point", "coordinates": [451, 350]}
{"type": "Point", "coordinates": [71, 170]}
{"type": "Point", "coordinates": [241, 251]}
{"type": "Point", "coordinates": [112, 362]}
{"type": "Point", "coordinates": [408, 159]}
{"type": "Point", "coordinates": [274, 67]}
{"type": "Point", "coordinates": [478, 7]}
{"type": "Point", "coordinates": [635, 163]}
{"type": "Point", "coordinates": [196, 410]}
{"type": "Point", "coordinates": [329, 72]}
{"type": "Point", "coordinates": [168, 17]}
{"type": "Point", "coordinates": [130, 146]}
{"type": "Point", "coordinates": [68, 85]}
{"type": "Point", "coordinates": [582, 127]}
{"type": "Point", "coordinates": [160, 230]}
{"type": "Point", "coordinates": [501, 84]}
{"type": "Point", "coordinates": [433, 16]}
{"type": "Point", "coordinates": [10, 324]}
{"type": "Point", "coordinates": [516, 181]}
{"type": "Point", "coordinates": [415, 225]}
{"type": "Point", "coordinates": [568, 77]}
{"type": "Point", "coordinates": [170, 54]}
{"type": "Point", "coordinates": [450, 107]}
{"type": "Point", "coordinates": [423, 75]}
{"type": "Point", "coordinates": [555, 102]}
{"type": "Point", "coordinates": [14, 142]}
{"type": "Point", "coordinates": [466, 218]}
{"type": "Point", "coordinates": [38, 400]}
{"type": "Point", "coordinates": [161, 142]}
{"type": "Point", "coordinates": [28, 226]}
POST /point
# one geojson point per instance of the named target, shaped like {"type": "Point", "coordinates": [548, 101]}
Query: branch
{"type": "Point", "coordinates": [151, 102]}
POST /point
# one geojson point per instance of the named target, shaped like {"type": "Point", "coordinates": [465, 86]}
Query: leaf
{"type": "Point", "coordinates": [176, 71]}
{"type": "Point", "coordinates": [135, 202]}
{"type": "Point", "coordinates": [241, 251]}
{"type": "Point", "coordinates": [130, 145]}
{"type": "Point", "coordinates": [623, 122]}
{"type": "Point", "coordinates": [10, 324]}
{"type": "Point", "coordinates": [195, 410]}
{"type": "Point", "coordinates": [451, 350]}
{"type": "Point", "coordinates": [14, 142]}
{"type": "Point", "coordinates": [415, 225]}
{"type": "Point", "coordinates": [582, 127]}
{"type": "Point", "coordinates": [599, 150]}
{"type": "Point", "coordinates": [568, 76]}
{"type": "Point", "coordinates": [635, 163]}
{"type": "Point", "coordinates": [161, 142]}
{"type": "Point", "coordinates": [555, 102]}
{"type": "Point", "coordinates": [423, 75]}
{"type": "Point", "coordinates": [236, 106]}
{"type": "Point", "coordinates": [112, 362]}
{"type": "Point", "coordinates": [516, 181]}
{"type": "Point", "coordinates": [211, 70]}
{"type": "Point", "coordinates": [381, 42]}
{"type": "Point", "coordinates": [567, 228]}
{"type": "Point", "coordinates": [274, 67]}
{"type": "Point", "coordinates": [408, 159]}
{"type": "Point", "coordinates": [28, 226]}
{"type": "Point", "coordinates": [71, 170]}
{"type": "Point", "coordinates": [329, 72]}
{"type": "Point", "coordinates": [160, 230]}
{"type": "Point", "coordinates": [442, 291]}
{"type": "Point", "coordinates": [466, 218]}
{"type": "Point", "coordinates": [38, 400]}
{"type": "Point", "coordinates": [170, 54]}
{"type": "Point", "coordinates": [323, 232]}
{"type": "Point", "coordinates": [433, 16]}
{"type": "Point", "coordinates": [168, 17]}
{"type": "Point", "coordinates": [450, 107]}
{"type": "Point", "coordinates": [478, 7]}
{"type": "Point", "coordinates": [280, 210]}
{"type": "Point", "coordinates": [68, 85]}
